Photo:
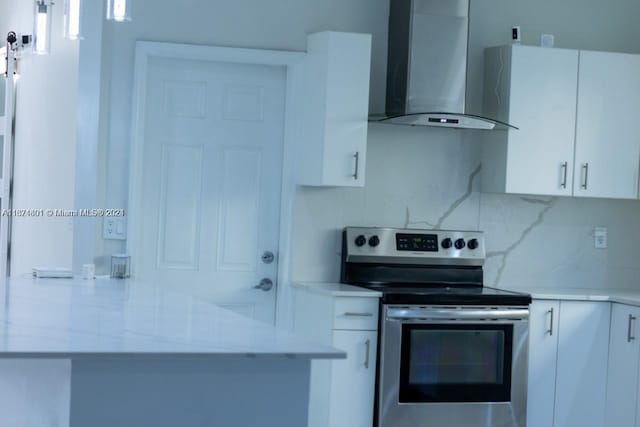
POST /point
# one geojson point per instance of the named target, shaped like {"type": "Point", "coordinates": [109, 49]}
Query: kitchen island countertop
{"type": "Point", "coordinates": [74, 318]}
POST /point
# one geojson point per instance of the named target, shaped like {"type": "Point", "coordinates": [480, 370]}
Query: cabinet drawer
{"type": "Point", "coordinates": [355, 314]}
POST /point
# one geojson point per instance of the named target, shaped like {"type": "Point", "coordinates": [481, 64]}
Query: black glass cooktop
{"type": "Point", "coordinates": [399, 293]}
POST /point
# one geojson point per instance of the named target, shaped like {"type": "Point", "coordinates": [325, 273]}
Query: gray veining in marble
{"type": "Point", "coordinates": [505, 253]}
{"type": "Point", "coordinates": [428, 178]}
{"type": "Point", "coordinates": [74, 319]}
{"type": "Point", "coordinates": [450, 210]}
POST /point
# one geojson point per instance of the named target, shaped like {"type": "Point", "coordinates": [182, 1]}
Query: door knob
{"type": "Point", "coordinates": [264, 285]}
{"type": "Point", "coordinates": [268, 257]}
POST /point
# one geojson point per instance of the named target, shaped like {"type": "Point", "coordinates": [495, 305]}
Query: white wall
{"type": "Point", "coordinates": [45, 144]}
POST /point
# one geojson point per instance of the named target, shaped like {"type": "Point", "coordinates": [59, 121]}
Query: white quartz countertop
{"type": "Point", "coordinates": [622, 296]}
{"type": "Point", "coordinates": [336, 289]}
{"type": "Point", "coordinates": [74, 318]}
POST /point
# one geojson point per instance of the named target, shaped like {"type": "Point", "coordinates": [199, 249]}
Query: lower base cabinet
{"type": "Point", "coordinates": [349, 402]}
{"type": "Point", "coordinates": [543, 351]}
{"type": "Point", "coordinates": [583, 351]}
{"type": "Point", "coordinates": [342, 391]}
{"type": "Point", "coordinates": [569, 350]}
{"type": "Point", "coordinates": [624, 356]}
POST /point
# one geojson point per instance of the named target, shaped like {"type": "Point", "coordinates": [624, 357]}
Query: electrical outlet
{"type": "Point", "coordinates": [115, 228]}
{"type": "Point", "coordinates": [600, 238]}
{"type": "Point", "coordinates": [547, 40]}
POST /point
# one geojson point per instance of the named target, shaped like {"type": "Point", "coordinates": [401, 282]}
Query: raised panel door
{"type": "Point", "coordinates": [211, 180]}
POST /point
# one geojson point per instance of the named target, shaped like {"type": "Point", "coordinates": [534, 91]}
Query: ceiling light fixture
{"type": "Point", "coordinates": [72, 21]}
{"type": "Point", "coordinates": [42, 27]}
{"type": "Point", "coordinates": [119, 10]}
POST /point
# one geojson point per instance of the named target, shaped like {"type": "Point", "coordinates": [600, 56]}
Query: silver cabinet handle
{"type": "Point", "coordinates": [585, 183]}
{"type": "Point", "coordinates": [564, 169]}
{"type": "Point", "coordinates": [630, 337]}
{"type": "Point", "coordinates": [550, 330]}
{"type": "Point", "coordinates": [367, 346]}
{"type": "Point", "coordinates": [357, 158]}
{"type": "Point", "coordinates": [348, 314]}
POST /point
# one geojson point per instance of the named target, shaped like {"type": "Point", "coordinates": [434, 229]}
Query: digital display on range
{"type": "Point", "coordinates": [417, 242]}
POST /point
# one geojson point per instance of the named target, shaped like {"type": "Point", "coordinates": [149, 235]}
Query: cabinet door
{"type": "Point", "coordinates": [581, 378]}
{"type": "Point", "coordinates": [608, 129]}
{"type": "Point", "coordinates": [333, 144]}
{"type": "Point", "coordinates": [543, 106]}
{"type": "Point", "coordinates": [347, 110]}
{"type": "Point", "coordinates": [624, 352]}
{"type": "Point", "coordinates": [543, 349]}
{"type": "Point", "coordinates": [353, 379]}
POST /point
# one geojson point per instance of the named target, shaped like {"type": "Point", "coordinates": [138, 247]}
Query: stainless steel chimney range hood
{"type": "Point", "coordinates": [427, 66]}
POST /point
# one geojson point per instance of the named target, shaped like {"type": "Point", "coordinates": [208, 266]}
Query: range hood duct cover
{"type": "Point", "coordinates": [427, 65]}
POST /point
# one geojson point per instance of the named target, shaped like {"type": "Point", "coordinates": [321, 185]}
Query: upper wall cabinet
{"type": "Point", "coordinates": [576, 113]}
{"type": "Point", "coordinates": [608, 128]}
{"type": "Point", "coordinates": [535, 90]}
{"type": "Point", "coordinates": [333, 141]}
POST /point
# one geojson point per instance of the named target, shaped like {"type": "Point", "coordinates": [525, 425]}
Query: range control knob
{"type": "Point", "coordinates": [460, 244]}
{"type": "Point", "coordinates": [447, 243]}
{"type": "Point", "coordinates": [374, 241]}
{"type": "Point", "coordinates": [473, 244]}
{"type": "Point", "coordinates": [361, 241]}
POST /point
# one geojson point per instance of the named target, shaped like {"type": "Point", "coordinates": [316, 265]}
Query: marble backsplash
{"type": "Point", "coordinates": [429, 178]}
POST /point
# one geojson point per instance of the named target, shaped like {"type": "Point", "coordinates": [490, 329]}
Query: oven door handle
{"type": "Point", "coordinates": [457, 314]}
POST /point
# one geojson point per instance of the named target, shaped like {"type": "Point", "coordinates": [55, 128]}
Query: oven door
{"type": "Point", "coordinates": [454, 366]}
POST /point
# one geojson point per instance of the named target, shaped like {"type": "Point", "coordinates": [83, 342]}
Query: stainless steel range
{"type": "Point", "coordinates": [452, 352]}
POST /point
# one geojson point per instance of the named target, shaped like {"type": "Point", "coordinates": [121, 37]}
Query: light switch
{"type": "Point", "coordinates": [115, 228]}
{"type": "Point", "coordinates": [600, 238]}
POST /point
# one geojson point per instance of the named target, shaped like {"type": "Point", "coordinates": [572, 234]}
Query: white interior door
{"type": "Point", "coordinates": [211, 180]}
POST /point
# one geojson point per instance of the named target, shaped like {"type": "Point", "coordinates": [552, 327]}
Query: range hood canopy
{"type": "Point", "coordinates": [427, 66]}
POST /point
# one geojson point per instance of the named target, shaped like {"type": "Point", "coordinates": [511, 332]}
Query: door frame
{"type": "Point", "coordinates": [293, 62]}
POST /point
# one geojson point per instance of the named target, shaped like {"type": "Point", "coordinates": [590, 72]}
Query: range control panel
{"type": "Point", "coordinates": [411, 246]}
{"type": "Point", "coordinates": [417, 242]}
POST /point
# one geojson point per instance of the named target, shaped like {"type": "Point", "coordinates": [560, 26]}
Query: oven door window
{"type": "Point", "coordinates": [456, 363]}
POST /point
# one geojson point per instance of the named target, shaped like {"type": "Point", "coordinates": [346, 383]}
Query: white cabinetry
{"type": "Point", "coordinates": [622, 379]}
{"type": "Point", "coordinates": [568, 364]}
{"type": "Point", "coordinates": [333, 139]}
{"type": "Point", "coordinates": [608, 129]}
{"type": "Point", "coordinates": [581, 377]}
{"type": "Point", "coordinates": [342, 391]}
{"type": "Point", "coordinates": [543, 348]}
{"type": "Point", "coordinates": [577, 117]}
{"type": "Point", "coordinates": [353, 380]}
{"type": "Point", "coordinates": [535, 90]}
